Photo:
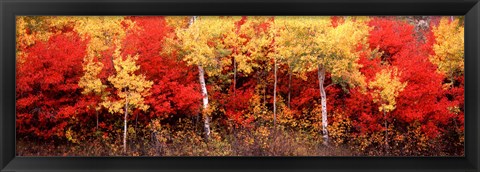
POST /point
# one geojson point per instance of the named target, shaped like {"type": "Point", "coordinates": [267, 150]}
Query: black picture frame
{"type": "Point", "coordinates": [10, 8]}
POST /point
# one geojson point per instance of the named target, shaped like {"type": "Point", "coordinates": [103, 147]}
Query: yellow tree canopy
{"type": "Point", "coordinates": [89, 81]}
{"type": "Point", "coordinates": [449, 47]}
{"type": "Point", "coordinates": [23, 39]}
{"type": "Point", "coordinates": [102, 32]}
{"type": "Point", "coordinates": [296, 40]}
{"type": "Point", "coordinates": [131, 88]}
{"type": "Point", "coordinates": [386, 86]}
{"type": "Point", "coordinates": [201, 42]}
{"type": "Point", "coordinates": [249, 42]}
{"type": "Point", "coordinates": [307, 42]}
{"type": "Point", "coordinates": [341, 52]}
{"type": "Point", "coordinates": [177, 21]}
{"type": "Point", "coordinates": [29, 30]}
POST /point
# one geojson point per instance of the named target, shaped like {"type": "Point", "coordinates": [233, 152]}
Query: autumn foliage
{"type": "Point", "coordinates": [254, 86]}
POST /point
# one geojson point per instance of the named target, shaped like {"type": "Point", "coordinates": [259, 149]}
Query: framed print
{"type": "Point", "coordinates": [239, 86]}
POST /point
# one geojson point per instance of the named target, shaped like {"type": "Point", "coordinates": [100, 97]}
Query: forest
{"type": "Point", "coordinates": [240, 86]}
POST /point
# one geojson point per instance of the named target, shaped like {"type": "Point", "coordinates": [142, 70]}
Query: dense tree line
{"type": "Point", "coordinates": [228, 85]}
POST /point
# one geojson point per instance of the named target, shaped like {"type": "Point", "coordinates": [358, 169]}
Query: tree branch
{"type": "Point", "coordinates": [329, 85]}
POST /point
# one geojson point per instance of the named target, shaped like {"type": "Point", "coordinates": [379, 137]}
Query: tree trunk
{"type": "Point", "coordinates": [275, 94]}
{"type": "Point", "coordinates": [234, 104]}
{"type": "Point", "coordinates": [125, 126]}
{"type": "Point", "coordinates": [201, 77]}
{"type": "Point", "coordinates": [323, 99]}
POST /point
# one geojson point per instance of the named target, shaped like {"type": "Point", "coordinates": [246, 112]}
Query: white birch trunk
{"type": "Point", "coordinates": [323, 99]}
{"type": "Point", "coordinates": [125, 126]}
{"type": "Point", "coordinates": [201, 78]}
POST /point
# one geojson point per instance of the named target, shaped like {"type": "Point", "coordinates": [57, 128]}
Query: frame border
{"type": "Point", "coordinates": [11, 8]}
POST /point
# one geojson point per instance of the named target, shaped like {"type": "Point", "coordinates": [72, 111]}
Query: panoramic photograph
{"type": "Point", "coordinates": [240, 86]}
